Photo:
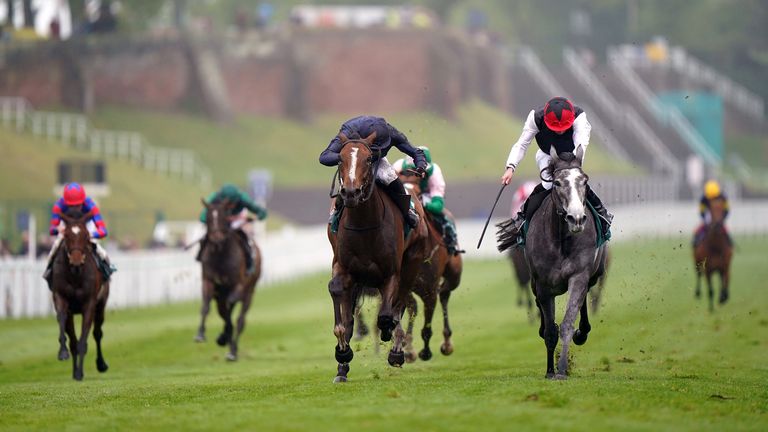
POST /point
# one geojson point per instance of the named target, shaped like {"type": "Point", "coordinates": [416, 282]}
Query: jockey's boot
{"type": "Point", "coordinates": [246, 243]}
{"type": "Point", "coordinates": [202, 242]}
{"type": "Point", "coordinates": [336, 212]}
{"type": "Point", "coordinates": [599, 208]}
{"type": "Point", "coordinates": [397, 192]}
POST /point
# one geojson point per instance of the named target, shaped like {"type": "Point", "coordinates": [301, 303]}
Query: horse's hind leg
{"type": "Point", "coordinates": [61, 316]}
{"type": "Point", "coordinates": [244, 306]}
{"type": "Point", "coordinates": [205, 309]}
{"type": "Point", "coordinates": [101, 365]}
{"type": "Point", "coordinates": [446, 348]}
{"type": "Point", "coordinates": [430, 301]}
{"type": "Point", "coordinates": [386, 320]}
{"type": "Point", "coordinates": [580, 336]}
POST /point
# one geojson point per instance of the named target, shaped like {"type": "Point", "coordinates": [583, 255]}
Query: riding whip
{"type": "Point", "coordinates": [479, 242]}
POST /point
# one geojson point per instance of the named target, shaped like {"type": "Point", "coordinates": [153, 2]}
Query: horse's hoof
{"type": "Point", "coordinates": [396, 359]}
{"type": "Point", "coordinates": [723, 299]}
{"type": "Point", "coordinates": [77, 376]}
{"type": "Point", "coordinates": [386, 335]}
{"type": "Point", "coordinates": [231, 357]}
{"type": "Point", "coordinates": [200, 338]}
{"type": "Point", "coordinates": [410, 357]}
{"type": "Point", "coordinates": [579, 338]}
{"type": "Point", "coordinates": [446, 349]}
{"type": "Point", "coordinates": [697, 294]}
{"type": "Point", "coordinates": [560, 377]}
{"type": "Point", "coordinates": [340, 379]}
{"type": "Point", "coordinates": [425, 354]}
{"type": "Point", "coordinates": [386, 324]}
{"type": "Point", "coordinates": [222, 339]}
{"type": "Point", "coordinates": [549, 375]}
{"type": "Point", "coordinates": [101, 366]}
{"type": "Point", "coordinates": [63, 355]}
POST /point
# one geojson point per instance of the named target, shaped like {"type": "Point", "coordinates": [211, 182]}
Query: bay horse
{"type": "Point", "coordinates": [78, 288]}
{"type": "Point", "coordinates": [713, 254]}
{"type": "Point", "coordinates": [563, 256]}
{"type": "Point", "coordinates": [439, 275]}
{"type": "Point", "coordinates": [225, 274]}
{"type": "Point", "coordinates": [370, 250]}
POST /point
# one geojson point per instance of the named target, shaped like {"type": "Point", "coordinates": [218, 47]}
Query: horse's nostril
{"type": "Point", "coordinates": [583, 219]}
{"type": "Point", "coordinates": [358, 191]}
{"type": "Point", "coordinates": [343, 191]}
{"type": "Point", "coordinates": [570, 219]}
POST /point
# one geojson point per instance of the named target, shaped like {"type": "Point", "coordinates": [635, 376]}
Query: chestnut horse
{"type": "Point", "coordinates": [78, 288]}
{"type": "Point", "coordinates": [370, 250]}
{"type": "Point", "coordinates": [714, 253]}
{"type": "Point", "coordinates": [439, 275]}
{"type": "Point", "coordinates": [225, 276]}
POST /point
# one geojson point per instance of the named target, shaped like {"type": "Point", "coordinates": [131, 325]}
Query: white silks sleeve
{"type": "Point", "coordinates": [517, 153]}
{"type": "Point", "coordinates": [581, 131]}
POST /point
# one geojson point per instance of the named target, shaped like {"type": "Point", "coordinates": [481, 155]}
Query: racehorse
{"type": "Point", "coordinates": [439, 275]}
{"type": "Point", "coordinates": [713, 254]}
{"type": "Point", "coordinates": [225, 274]}
{"type": "Point", "coordinates": [78, 288]}
{"type": "Point", "coordinates": [370, 250]}
{"type": "Point", "coordinates": [562, 254]}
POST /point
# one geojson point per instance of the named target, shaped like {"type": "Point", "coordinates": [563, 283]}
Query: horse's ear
{"type": "Point", "coordinates": [84, 218]}
{"type": "Point", "coordinates": [553, 153]}
{"type": "Point", "coordinates": [205, 204]}
{"type": "Point", "coordinates": [67, 220]}
{"type": "Point", "coordinates": [579, 152]}
{"type": "Point", "coordinates": [370, 138]}
{"type": "Point", "coordinates": [343, 138]}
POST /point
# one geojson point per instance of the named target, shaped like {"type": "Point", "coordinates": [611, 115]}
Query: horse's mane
{"type": "Point", "coordinates": [74, 213]}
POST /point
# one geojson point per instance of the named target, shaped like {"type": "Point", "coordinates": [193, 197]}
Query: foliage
{"type": "Point", "coordinates": [655, 360]}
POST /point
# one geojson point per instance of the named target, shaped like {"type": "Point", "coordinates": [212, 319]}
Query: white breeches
{"type": "Point", "coordinates": [385, 173]}
{"type": "Point", "coordinates": [542, 161]}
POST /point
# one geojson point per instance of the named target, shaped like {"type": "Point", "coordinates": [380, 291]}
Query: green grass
{"type": "Point", "coordinates": [28, 176]}
{"type": "Point", "coordinates": [655, 360]}
{"type": "Point", "coordinates": [474, 147]}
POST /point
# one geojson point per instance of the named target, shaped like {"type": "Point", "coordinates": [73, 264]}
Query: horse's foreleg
{"type": "Point", "coordinates": [101, 365]}
{"type": "Point", "coordinates": [580, 336]}
{"type": "Point", "coordinates": [85, 332]}
{"type": "Point", "coordinates": [430, 301]}
{"type": "Point", "coordinates": [62, 307]}
{"type": "Point", "coordinates": [387, 320]}
{"type": "Point", "coordinates": [577, 288]}
{"type": "Point", "coordinates": [72, 336]}
{"type": "Point", "coordinates": [447, 346]}
{"type": "Point", "coordinates": [341, 308]}
{"type": "Point", "coordinates": [699, 269]}
{"type": "Point", "coordinates": [412, 308]}
{"type": "Point", "coordinates": [710, 291]}
{"type": "Point", "coordinates": [205, 309]}
{"type": "Point", "coordinates": [725, 278]}
{"type": "Point", "coordinates": [233, 345]}
{"type": "Point", "coordinates": [548, 331]}
{"type": "Point", "coordinates": [225, 312]}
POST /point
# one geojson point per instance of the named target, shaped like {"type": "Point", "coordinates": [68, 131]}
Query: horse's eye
{"type": "Point", "coordinates": [557, 183]}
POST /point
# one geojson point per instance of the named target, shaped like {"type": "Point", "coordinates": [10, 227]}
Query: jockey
{"type": "Point", "coordinates": [386, 137]}
{"type": "Point", "coordinates": [712, 191]}
{"type": "Point", "coordinates": [74, 196]}
{"type": "Point", "coordinates": [433, 197]}
{"type": "Point", "coordinates": [561, 125]}
{"type": "Point", "coordinates": [239, 217]}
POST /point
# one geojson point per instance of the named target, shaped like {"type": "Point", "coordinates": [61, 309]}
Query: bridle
{"type": "Point", "coordinates": [551, 179]}
{"type": "Point", "coordinates": [68, 231]}
{"type": "Point", "coordinates": [373, 167]}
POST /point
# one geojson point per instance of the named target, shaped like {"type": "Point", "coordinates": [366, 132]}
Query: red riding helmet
{"type": "Point", "coordinates": [74, 194]}
{"type": "Point", "coordinates": [559, 114]}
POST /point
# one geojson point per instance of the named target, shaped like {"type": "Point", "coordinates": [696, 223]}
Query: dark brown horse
{"type": "Point", "coordinates": [439, 275]}
{"type": "Point", "coordinates": [713, 254]}
{"type": "Point", "coordinates": [77, 288]}
{"type": "Point", "coordinates": [370, 250]}
{"type": "Point", "coordinates": [225, 274]}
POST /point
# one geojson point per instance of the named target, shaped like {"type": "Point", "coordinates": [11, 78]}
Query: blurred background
{"type": "Point", "coordinates": [155, 103]}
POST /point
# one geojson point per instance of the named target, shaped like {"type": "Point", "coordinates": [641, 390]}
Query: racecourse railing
{"type": "Point", "coordinates": [544, 79]}
{"type": "Point", "coordinates": [149, 278]}
{"type": "Point", "coordinates": [665, 114]}
{"type": "Point", "coordinates": [74, 131]}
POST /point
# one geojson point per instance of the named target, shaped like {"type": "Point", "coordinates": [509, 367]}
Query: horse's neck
{"type": "Point", "coordinates": [367, 213]}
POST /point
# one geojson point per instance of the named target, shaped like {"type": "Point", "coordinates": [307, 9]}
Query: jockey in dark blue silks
{"type": "Point", "coordinates": [386, 137]}
{"type": "Point", "coordinates": [565, 127]}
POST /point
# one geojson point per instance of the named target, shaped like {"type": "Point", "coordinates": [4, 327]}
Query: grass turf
{"type": "Point", "coordinates": [656, 360]}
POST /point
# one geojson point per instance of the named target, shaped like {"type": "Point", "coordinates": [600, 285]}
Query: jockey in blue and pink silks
{"type": "Point", "coordinates": [74, 197]}
{"type": "Point", "coordinates": [386, 138]}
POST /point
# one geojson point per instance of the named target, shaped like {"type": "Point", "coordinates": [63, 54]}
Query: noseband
{"type": "Point", "coordinates": [371, 180]}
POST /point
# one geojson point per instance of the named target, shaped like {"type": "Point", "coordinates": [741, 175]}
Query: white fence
{"type": "Point", "coordinates": [73, 130]}
{"type": "Point", "coordinates": [149, 277]}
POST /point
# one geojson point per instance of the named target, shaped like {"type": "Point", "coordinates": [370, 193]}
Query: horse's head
{"type": "Point", "coordinates": [411, 181]}
{"type": "Point", "coordinates": [76, 236]}
{"type": "Point", "coordinates": [569, 188]}
{"type": "Point", "coordinates": [356, 169]}
{"type": "Point", "coordinates": [717, 211]}
{"type": "Point", "coordinates": [217, 220]}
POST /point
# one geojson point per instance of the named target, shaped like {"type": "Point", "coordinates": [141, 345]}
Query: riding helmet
{"type": "Point", "coordinates": [711, 189]}
{"type": "Point", "coordinates": [559, 114]}
{"type": "Point", "coordinates": [74, 194]}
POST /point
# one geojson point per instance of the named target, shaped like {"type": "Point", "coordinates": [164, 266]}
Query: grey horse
{"type": "Point", "coordinates": [563, 256]}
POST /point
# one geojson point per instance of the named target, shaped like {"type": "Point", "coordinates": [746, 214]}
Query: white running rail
{"type": "Point", "coordinates": [628, 117]}
{"type": "Point", "coordinates": [73, 130]}
{"type": "Point", "coordinates": [536, 69]}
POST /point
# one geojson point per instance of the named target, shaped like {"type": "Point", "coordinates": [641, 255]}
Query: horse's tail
{"type": "Point", "coordinates": [506, 236]}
